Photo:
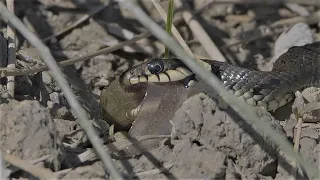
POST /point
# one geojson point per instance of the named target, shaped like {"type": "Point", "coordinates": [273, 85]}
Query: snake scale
{"type": "Point", "coordinates": [294, 70]}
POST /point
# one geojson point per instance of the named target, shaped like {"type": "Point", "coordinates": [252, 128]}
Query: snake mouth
{"type": "Point", "coordinates": [158, 70]}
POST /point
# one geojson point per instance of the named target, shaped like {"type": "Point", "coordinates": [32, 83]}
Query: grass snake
{"type": "Point", "coordinates": [294, 70]}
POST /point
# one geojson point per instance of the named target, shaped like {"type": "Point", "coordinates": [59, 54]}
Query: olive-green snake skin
{"type": "Point", "coordinates": [294, 70]}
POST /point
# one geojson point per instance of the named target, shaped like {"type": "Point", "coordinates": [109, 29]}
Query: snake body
{"type": "Point", "coordinates": [294, 70]}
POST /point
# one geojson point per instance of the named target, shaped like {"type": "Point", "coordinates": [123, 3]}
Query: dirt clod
{"type": "Point", "coordinates": [28, 131]}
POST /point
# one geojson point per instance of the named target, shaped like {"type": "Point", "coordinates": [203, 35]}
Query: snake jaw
{"type": "Point", "coordinates": [138, 79]}
{"type": "Point", "coordinates": [168, 76]}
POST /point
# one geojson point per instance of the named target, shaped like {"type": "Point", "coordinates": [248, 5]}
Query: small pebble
{"type": "Point", "coordinates": [46, 78]}
{"type": "Point", "coordinates": [55, 97]}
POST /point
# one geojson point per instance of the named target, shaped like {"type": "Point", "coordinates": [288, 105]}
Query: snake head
{"type": "Point", "coordinates": [157, 70]}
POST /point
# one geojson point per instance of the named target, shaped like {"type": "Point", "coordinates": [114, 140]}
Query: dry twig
{"type": "Point", "coordinates": [32, 162]}
{"type": "Point", "coordinates": [11, 51]}
{"type": "Point", "coordinates": [296, 147]}
{"type": "Point", "coordinates": [199, 32]}
{"type": "Point", "coordinates": [127, 143]}
{"type": "Point", "coordinates": [297, 108]}
{"type": "Point", "coordinates": [32, 169]}
{"type": "Point", "coordinates": [298, 135]}
{"type": "Point", "coordinates": [83, 120]}
{"type": "Point", "coordinates": [175, 32]}
{"type": "Point", "coordinates": [311, 19]}
{"type": "Point", "coordinates": [269, 33]}
{"type": "Point", "coordinates": [3, 170]}
{"type": "Point", "coordinates": [77, 23]}
{"type": "Point", "coordinates": [269, 2]}
{"type": "Point", "coordinates": [165, 168]}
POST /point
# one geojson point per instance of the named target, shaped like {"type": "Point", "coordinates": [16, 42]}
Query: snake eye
{"type": "Point", "coordinates": [155, 66]}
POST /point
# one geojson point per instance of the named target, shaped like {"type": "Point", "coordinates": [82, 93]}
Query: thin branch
{"type": "Point", "coordinates": [11, 51]}
{"type": "Point", "coordinates": [164, 169]}
{"type": "Point", "coordinates": [298, 108]}
{"type": "Point", "coordinates": [32, 169]}
{"type": "Point", "coordinates": [3, 169]}
{"type": "Point", "coordinates": [77, 23]}
{"type": "Point", "coordinates": [175, 32]}
{"type": "Point", "coordinates": [90, 155]}
{"type": "Point", "coordinates": [252, 38]}
{"type": "Point", "coordinates": [33, 162]}
{"type": "Point", "coordinates": [244, 110]}
{"type": "Point", "coordinates": [71, 98]}
{"type": "Point", "coordinates": [296, 147]}
{"type": "Point", "coordinates": [311, 19]}
{"type": "Point", "coordinates": [268, 2]}
{"type": "Point", "coordinates": [204, 39]}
